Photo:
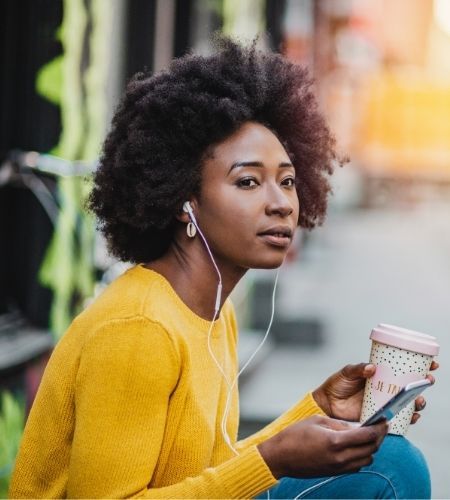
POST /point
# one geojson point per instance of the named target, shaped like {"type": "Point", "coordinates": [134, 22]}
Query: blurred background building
{"type": "Point", "coordinates": [382, 69]}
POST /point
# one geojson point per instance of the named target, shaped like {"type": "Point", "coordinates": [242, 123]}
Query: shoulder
{"type": "Point", "coordinates": [128, 346]}
{"type": "Point", "coordinates": [124, 303]}
{"type": "Point", "coordinates": [116, 328]}
{"type": "Point", "coordinates": [133, 331]}
{"type": "Point", "coordinates": [123, 297]}
{"type": "Point", "coordinates": [116, 317]}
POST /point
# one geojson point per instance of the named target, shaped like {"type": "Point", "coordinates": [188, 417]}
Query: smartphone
{"type": "Point", "coordinates": [398, 402]}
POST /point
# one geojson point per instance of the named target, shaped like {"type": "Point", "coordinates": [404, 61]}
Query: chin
{"type": "Point", "coordinates": [269, 263]}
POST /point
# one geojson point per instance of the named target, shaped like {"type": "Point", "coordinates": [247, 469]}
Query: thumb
{"type": "Point", "coordinates": [361, 370]}
{"type": "Point", "coordinates": [338, 425]}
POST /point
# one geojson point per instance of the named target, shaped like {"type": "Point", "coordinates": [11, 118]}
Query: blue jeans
{"type": "Point", "coordinates": [399, 470]}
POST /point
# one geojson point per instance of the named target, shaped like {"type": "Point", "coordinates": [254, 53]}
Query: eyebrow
{"type": "Point", "coordinates": [260, 164]}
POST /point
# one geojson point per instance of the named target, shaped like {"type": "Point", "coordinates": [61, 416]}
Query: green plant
{"type": "Point", "coordinates": [12, 417]}
{"type": "Point", "coordinates": [76, 81]}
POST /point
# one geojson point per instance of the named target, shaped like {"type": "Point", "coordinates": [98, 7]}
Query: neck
{"type": "Point", "coordinates": [193, 276]}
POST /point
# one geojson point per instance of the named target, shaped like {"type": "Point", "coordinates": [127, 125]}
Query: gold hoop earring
{"type": "Point", "coordinates": [191, 230]}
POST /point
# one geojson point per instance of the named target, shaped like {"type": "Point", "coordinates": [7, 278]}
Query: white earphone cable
{"type": "Point", "coordinates": [218, 298]}
{"type": "Point", "coordinates": [230, 391]}
{"type": "Point", "coordinates": [230, 386]}
{"type": "Point", "coordinates": [188, 208]}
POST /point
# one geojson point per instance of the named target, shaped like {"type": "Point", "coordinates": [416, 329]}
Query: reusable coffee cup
{"type": "Point", "coordinates": [401, 356]}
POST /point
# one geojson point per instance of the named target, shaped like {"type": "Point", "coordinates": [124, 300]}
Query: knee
{"type": "Point", "coordinates": [405, 466]}
{"type": "Point", "coordinates": [400, 451]}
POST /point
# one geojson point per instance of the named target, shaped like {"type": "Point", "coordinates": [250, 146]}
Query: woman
{"type": "Point", "coordinates": [139, 397]}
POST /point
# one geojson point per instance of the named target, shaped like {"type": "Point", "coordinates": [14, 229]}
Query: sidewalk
{"type": "Point", "coordinates": [364, 268]}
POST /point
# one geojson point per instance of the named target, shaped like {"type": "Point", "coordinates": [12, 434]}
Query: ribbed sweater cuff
{"type": "Point", "coordinates": [247, 475]}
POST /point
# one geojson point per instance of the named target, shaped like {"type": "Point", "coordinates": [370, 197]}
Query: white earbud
{"type": "Point", "coordinates": [188, 209]}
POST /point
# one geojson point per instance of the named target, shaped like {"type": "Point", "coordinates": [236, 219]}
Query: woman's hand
{"type": "Point", "coordinates": [341, 395]}
{"type": "Point", "coordinates": [321, 446]}
{"type": "Point", "coordinates": [421, 401]}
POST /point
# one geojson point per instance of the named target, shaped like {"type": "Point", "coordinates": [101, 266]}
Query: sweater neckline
{"type": "Point", "coordinates": [187, 311]}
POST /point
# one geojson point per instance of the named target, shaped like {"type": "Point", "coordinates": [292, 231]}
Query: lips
{"type": "Point", "coordinates": [278, 236]}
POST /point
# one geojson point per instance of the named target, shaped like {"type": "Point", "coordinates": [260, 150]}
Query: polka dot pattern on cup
{"type": "Point", "coordinates": [399, 367]}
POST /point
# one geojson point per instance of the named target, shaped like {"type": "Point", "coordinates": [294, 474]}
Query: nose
{"type": "Point", "coordinates": [279, 202]}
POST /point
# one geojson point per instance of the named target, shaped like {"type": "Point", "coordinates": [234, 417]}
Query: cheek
{"type": "Point", "coordinates": [230, 226]}
{"type": "Point", "coordinates": [229, 207]}
{"type": "Point", "coordinates": [235, 221]}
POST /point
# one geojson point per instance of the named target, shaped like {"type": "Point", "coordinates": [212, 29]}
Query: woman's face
{"type": "Point", "coordinates": [248, 205]}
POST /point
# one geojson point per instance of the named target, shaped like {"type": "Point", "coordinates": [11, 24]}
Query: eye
{"type": "Point", "coordinates": [247, 183]}
{"type": "Point", "coordinates": [288, 182]}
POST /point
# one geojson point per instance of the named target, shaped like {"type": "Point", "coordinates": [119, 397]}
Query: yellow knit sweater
{"type": "Point", "coordinates": [131, 402]}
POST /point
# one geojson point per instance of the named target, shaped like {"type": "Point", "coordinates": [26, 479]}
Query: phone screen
{"type": "Point", "coordinates": [398, 402]}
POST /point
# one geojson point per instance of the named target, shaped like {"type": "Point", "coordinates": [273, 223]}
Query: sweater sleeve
{"type": "Point", "coordinates": [307, 407]}
{"type": "Point", "coordinates": [126, 375]}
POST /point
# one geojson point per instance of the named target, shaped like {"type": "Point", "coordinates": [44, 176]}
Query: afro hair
{"type": "Point", "coordinates": [166, 123]}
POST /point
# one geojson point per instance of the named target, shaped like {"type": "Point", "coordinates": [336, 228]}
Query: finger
{"type": "Point", "coordinates": [431, 378]}
{"type": "Point", "coordinates": [361, 435]}
{"type": "Point", "coordinates": [415, 418]}
{"type": "Point", "coordinates": [336, 424]}
{"type": "Point", "coordinates": [350, 455]}
{"type": "Point", "coordinates": [361, 370]}
{"type": "Point", "coordinates": [434, 365]}
{"type": "Point", "coordinates": [420, 403]}
{"type": "Point", "coordinates": [332, 423]}
{"type": "Point", "coordinates": [369, 370]}
{"type": "Point", "coordinates": [361, 456]}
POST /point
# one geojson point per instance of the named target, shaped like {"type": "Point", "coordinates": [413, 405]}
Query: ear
{"type": "Point", "coordinates": [183, 216]}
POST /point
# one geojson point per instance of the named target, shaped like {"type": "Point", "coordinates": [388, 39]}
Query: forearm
{"type": "Point", "coordinates": [303, 409]}
{"type": "Point", "coordinates": [243, 476]}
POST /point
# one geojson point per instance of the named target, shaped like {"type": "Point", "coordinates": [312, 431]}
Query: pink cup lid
{"type": "Point", "coordinates": [402, 338]}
